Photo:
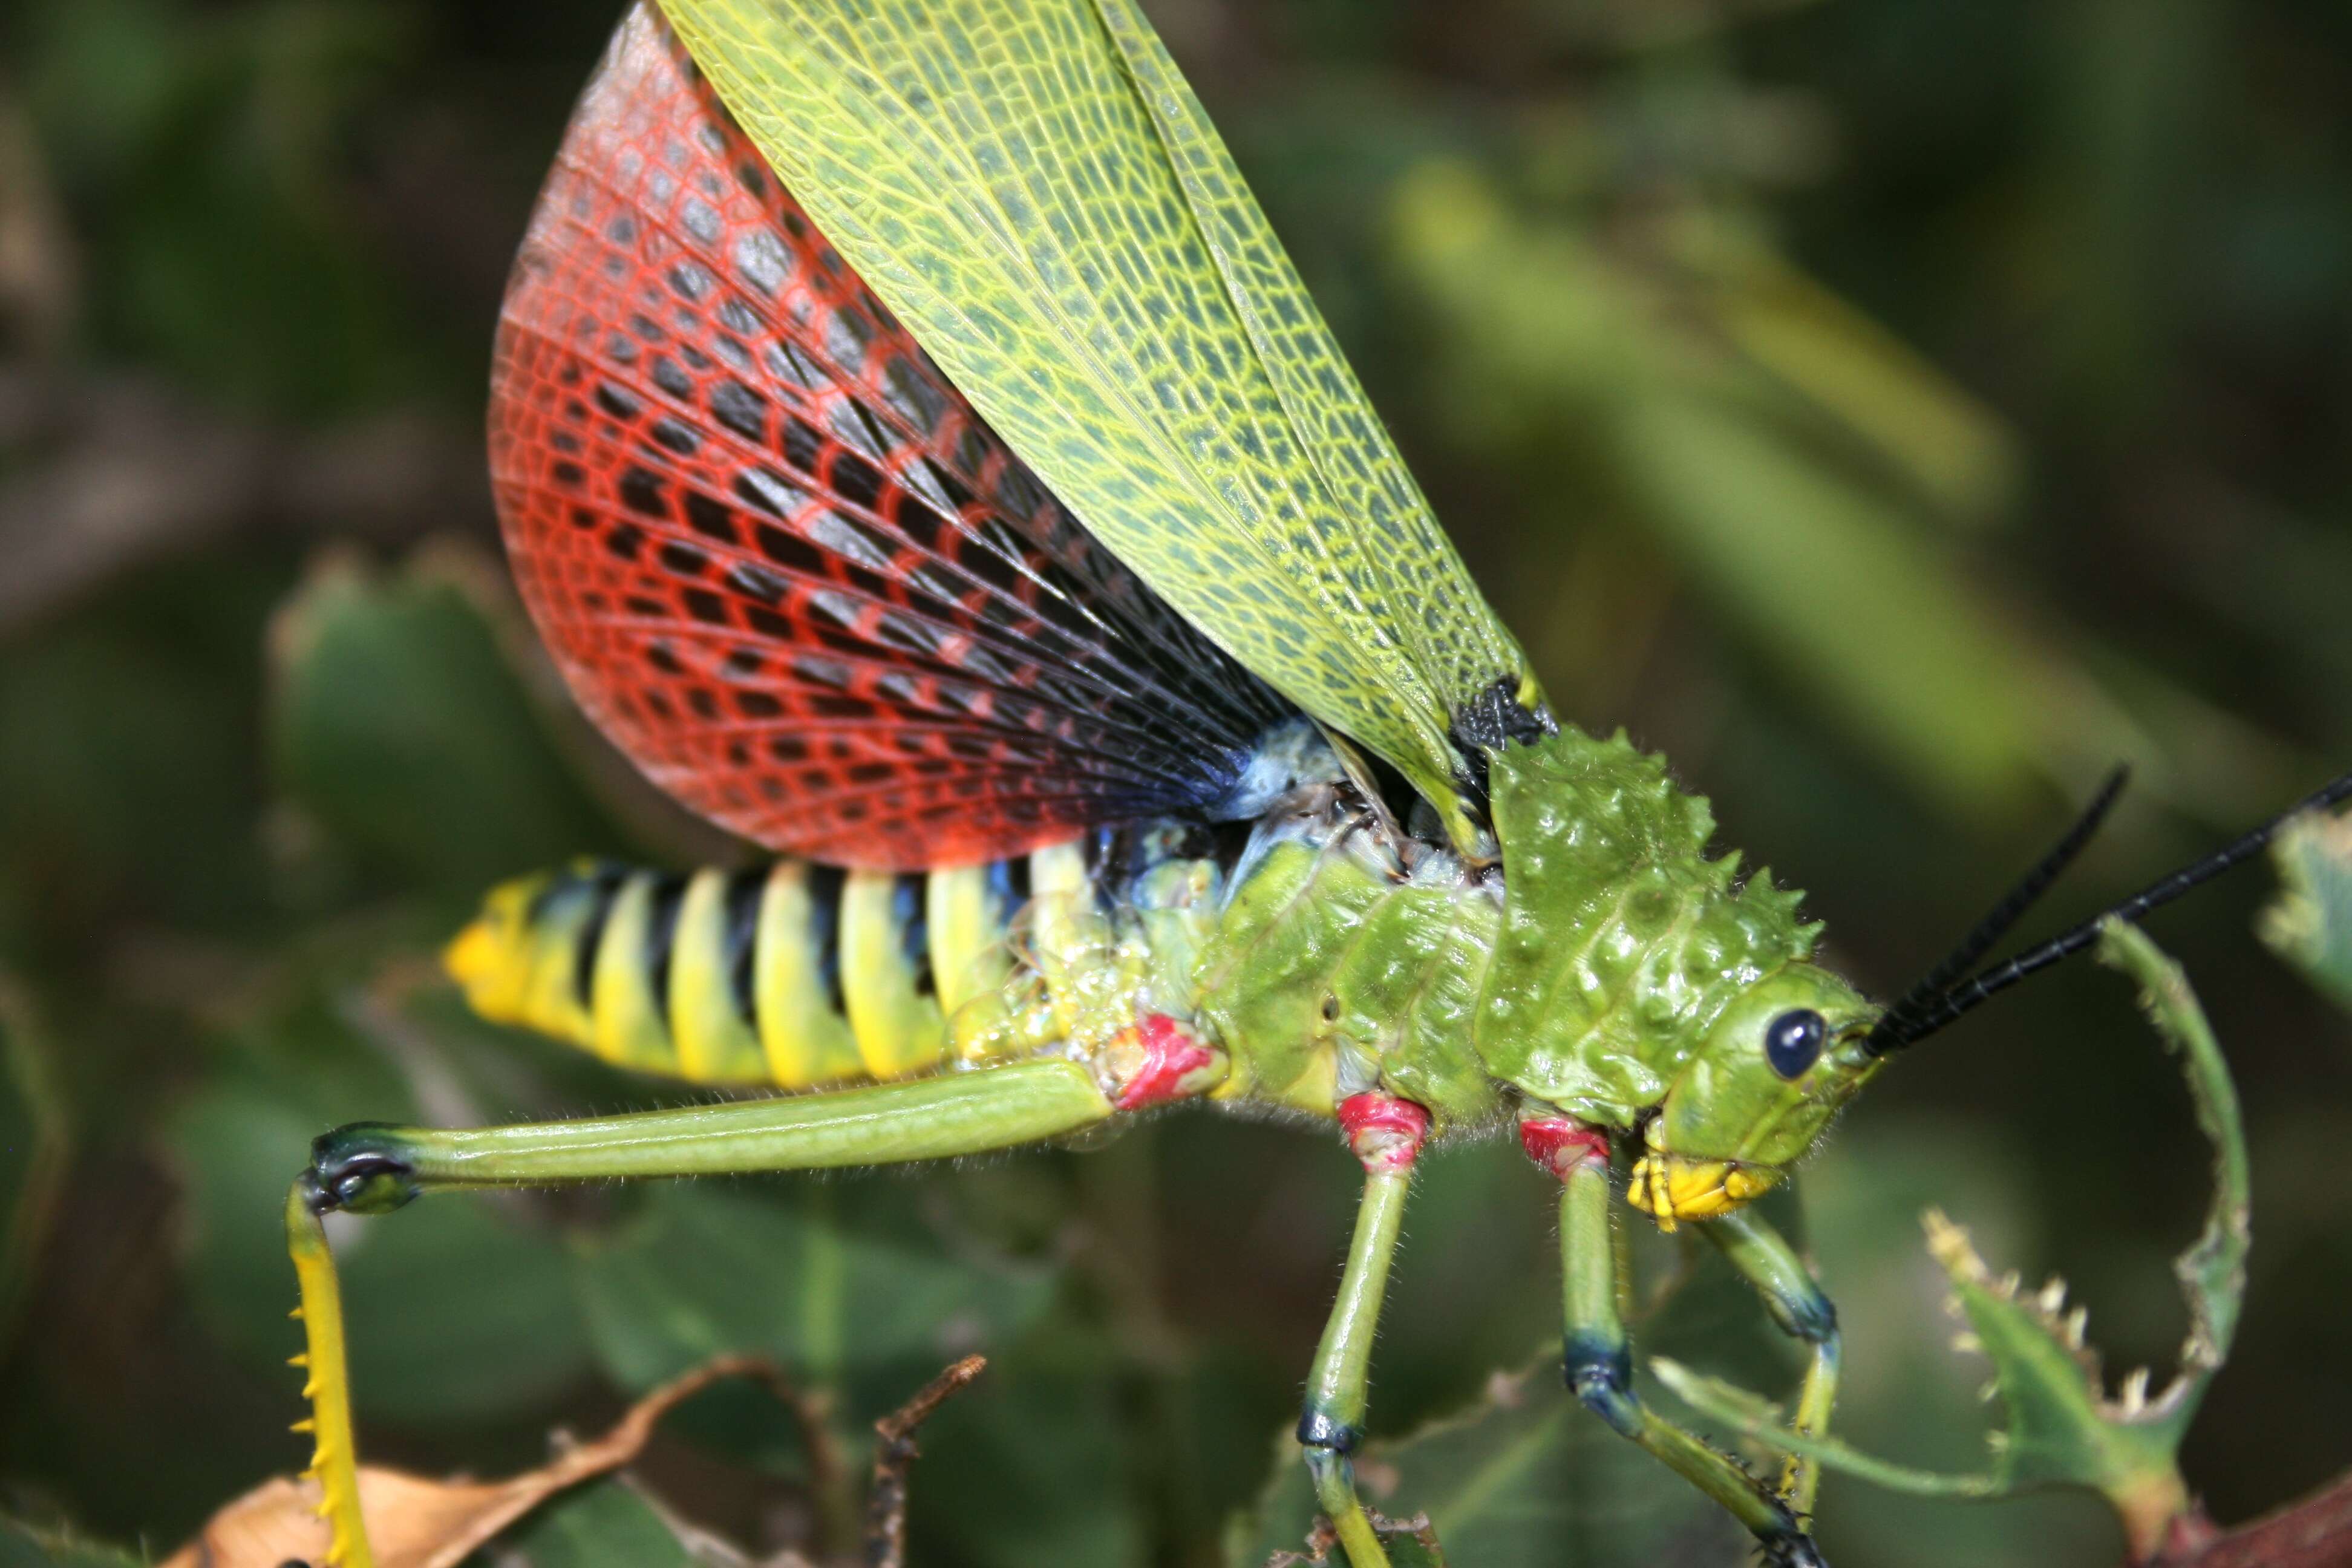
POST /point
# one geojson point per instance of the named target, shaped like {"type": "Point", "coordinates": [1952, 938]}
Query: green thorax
{"type": "Point", "coordinates": [1584, 975]}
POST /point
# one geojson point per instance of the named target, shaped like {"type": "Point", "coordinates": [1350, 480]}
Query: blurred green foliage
{"type": "Point", "coordinates": [2311, 923]}
{"type": "Point", "coordinates": [1895, 411]}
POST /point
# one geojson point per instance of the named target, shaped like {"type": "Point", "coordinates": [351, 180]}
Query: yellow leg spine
{"type": "Point", "coordinates": [335, 1457]}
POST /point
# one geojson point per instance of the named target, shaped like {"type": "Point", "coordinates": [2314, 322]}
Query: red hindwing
{"type": "Point", "coordinates": [777, 558]}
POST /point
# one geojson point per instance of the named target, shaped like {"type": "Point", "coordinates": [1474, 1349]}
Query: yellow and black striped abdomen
{"type": "Point", "coordinates": [791, 974]}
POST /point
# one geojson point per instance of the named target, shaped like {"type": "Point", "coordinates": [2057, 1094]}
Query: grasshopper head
{"type": "Point", "coordinates": [1765, 1083]}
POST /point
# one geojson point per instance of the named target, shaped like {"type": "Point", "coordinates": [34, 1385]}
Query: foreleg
{"type": "Point", "coordinates": [1598, 1362]}
{"type": "Point", "coordinates": [1795, 1300]}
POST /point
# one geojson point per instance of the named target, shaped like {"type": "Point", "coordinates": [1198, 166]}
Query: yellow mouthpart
{"type": "Point", "coordinates": [1669, 1187]}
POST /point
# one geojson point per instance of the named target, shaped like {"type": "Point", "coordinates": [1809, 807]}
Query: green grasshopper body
{"type": "Point", "coordinates": [1329, 954]}
{"type": "Point", "coordinates": [920, 457]}
{"type": "Point", "coordinates": [1620, 985]}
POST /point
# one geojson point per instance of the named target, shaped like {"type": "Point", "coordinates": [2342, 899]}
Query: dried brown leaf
{"type": "Point", "coordinates": [416, 1523]}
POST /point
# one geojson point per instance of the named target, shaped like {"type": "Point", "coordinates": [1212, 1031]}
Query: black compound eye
{"type": "Point", "coordinates": [1793, 1042]}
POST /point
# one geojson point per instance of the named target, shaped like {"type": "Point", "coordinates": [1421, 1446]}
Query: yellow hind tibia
{"type": "Point", "coordinates": [335, 1457]}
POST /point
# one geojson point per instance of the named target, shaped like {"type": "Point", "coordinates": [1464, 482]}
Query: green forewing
{"type": "Point", "coordinates": [1034, 189]}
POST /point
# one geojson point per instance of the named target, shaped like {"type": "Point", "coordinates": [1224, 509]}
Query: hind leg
{"type": "Point", "coordinates": [374, 1168]}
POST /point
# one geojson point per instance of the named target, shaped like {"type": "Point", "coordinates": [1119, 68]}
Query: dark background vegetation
{"type": "Point", "coordinates": [1895, 410]}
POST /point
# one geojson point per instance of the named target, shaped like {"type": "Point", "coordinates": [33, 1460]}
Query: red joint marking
{"type": "Point", "coordinates": [1561, 1143]}
{"type": "Point", "coordinates": [1384, 1132]}
{"type": "Point", "coordinates": [1171, 1057]}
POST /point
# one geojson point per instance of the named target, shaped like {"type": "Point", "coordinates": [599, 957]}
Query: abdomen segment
{"type": "Point", "coordinates": [789, 974]}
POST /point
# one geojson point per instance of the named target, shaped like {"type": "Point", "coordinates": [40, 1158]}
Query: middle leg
{"type": "Point", "coordinates": [1385, 1134]}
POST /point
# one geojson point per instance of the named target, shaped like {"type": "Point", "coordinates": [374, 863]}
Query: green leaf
{"type": "Point", "coordinates": [838, 1281]}
{"type": "Point", "coordinates": [1036, 193]}
{"type": "Point", "coordinates": [2311, 923]}
{"type": "Point", "coordinates": [1525, 1475]}
{"type": "Point", "coordinates": [21, 1546]}
{"type": "Point", "coordinates": [400, 725]}
{"type": "Point", "coordinates": [607, 1525]}
{"type": "Point", "coordinates": [2213, 1270]}
{"type": "Point", "coordinates": [1034, 1464]}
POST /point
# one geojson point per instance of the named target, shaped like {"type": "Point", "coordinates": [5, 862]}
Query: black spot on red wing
{"type": "Point", "coordinates": [759, 705]}
{"type": "Point", "coordinates": [820, 672]}
{"type": "Point", "coordinates": [918, 523]}
{"type": "Point", "coordinates": [757, 582]}
{"type": "Point", "coordinates": [741, 409]}
{"type": "Point", "coordinates": [958, 494]}
{"type": "Point", "coordinates": [768, 491]}
{"type": "Point", "coordinates": [804, 444]}
{"type": "Point", "coordinates": [856, 480]}
{"type": "Point", "coordinates": [866, 580]}
{"type": "Point", "coordinates": [789, 550]}
{"type": "Point", "coordinates": [684, 560]}
{"type": "Point", "coordinates": [677, 435]}
{"type": "Point", "coordinates": [624, 540]}
{"type": "Point", "coordinates": [769, 624]}
{"type": "Point", "coordinates": [705, 605]}
{"type": "Point", "coordinates": [641, 491]}
{"type": "Point", "coordinates": [711, 519]}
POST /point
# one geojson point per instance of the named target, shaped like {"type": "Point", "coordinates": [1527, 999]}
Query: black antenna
{"type": "Point", "coordinates": [1897, 1025]}
{"type": "Point", "coordinates": [2008, 972]}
